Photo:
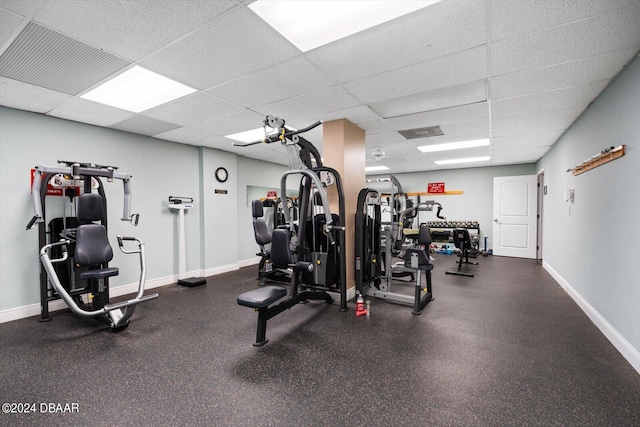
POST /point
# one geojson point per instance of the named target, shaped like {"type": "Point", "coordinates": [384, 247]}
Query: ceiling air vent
{"type": "Point", "coordinates": [46, 58]}
{"type": "Point", "coordinates": [425, 132]}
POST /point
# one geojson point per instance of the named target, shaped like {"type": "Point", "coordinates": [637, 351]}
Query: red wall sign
{"type": "Point", "coordinates": [272, 194]}
{"type": "Point", "coordinates": [435, 188]}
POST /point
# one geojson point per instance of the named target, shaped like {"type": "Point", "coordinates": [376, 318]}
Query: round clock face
{"type": "Point", "coordinates": [222, 174]}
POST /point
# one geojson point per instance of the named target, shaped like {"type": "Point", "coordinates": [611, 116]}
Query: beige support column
{"type": "Point", "coordinates": [343, 149]}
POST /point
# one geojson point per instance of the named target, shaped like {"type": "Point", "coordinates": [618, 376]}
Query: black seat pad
{"type": "Point", "coordinates": [100, 273]}
{"type": "Point", "coordinates": [261, 297]}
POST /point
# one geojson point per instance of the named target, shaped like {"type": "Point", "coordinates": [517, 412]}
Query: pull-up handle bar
{"type": "Point", "coordinates": [280, 136]}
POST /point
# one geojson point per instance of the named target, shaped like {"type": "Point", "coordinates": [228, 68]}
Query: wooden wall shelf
{"type": "Point", "coordinates": [598, 160]}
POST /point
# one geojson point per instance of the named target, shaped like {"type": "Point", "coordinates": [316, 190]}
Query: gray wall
{"type": "Point", "coordinates": [592, 248]}
{"type": "Point", "coordinates": [215, 239]}
{"type": "Point", "coordinates": [476, 202]}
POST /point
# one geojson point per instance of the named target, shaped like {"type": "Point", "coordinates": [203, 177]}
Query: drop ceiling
{"type": "Point", "coordinates": [516, 71]}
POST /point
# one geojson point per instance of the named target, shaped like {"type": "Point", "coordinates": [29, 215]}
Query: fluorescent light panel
{"type": "Point", "coordinates": [467, 160]}
{"type": "Point", "coordinates": [252, 135]}
{"type": "Point", "coordinates": [248, 135]}
{"type": "Point", "coordinates": [375, 168]}
{"type": "Point", "coordinates": [137, 89]}
{"type": "Point", "coordinates": [454, 145]}
{"type": "Point", "coordinates": [312, 23]}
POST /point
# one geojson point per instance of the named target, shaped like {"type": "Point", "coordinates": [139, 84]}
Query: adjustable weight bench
{"type": "Point", "coordinates": [462, 240]}
{"type": "Point", "coordinates": [261, 299]}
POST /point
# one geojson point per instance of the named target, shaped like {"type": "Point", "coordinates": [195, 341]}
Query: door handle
{"type": "Point", "coordinates": [495, 220]}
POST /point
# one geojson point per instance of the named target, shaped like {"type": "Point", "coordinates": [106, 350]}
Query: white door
{"type": "Point", "coordinates": [514, 216]}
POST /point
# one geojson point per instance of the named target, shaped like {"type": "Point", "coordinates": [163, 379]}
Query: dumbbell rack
{"type": "Point", "coordinates": [436, 226]}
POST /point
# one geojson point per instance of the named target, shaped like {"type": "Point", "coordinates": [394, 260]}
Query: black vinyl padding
{"type": "Point", "coordinates": [92, 245]}
{"type": "Point", "coordinates": [424, 236]}
{"type": "Point", "coordinates": [461, 238]}
{"type": "Point", "coordinates": [261, 297]}
{"type": "Point", "coordinates": [256, 208]}
{"type": "Point", "coordinates": [261, 232]}
{"type": "Point", "coordinates": [99, 274]}
{"type": "Point", "coordinates": [90, 207]}
{"type": "Point", "coordinates": [260, 229]}
{"type": "Point", "coordinates": [280, 248]}
{"type": "Point", "coordinates": [424, 262]}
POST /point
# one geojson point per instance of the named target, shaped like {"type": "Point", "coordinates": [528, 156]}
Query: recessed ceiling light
{"type": "Point", "coordinates": [454, 145]}
{"type": "Point", "coordinates": [467, 160]}
{"type": "Point", "coordinates": [312, 23]}
{"type": "Point", "coordinates": [137, 89]}
{"type": "Point", "coordinates": [375, 168]}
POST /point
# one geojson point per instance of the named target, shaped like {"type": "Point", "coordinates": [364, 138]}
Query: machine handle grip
{"type": "Point", "coordinates": [122, 239]}
{"type": "Point", "coordinates": [277, 137]}
{"type": "Point", "coordinates": [302, 266]}
{"type": "Point", "coordinates": [33, 221]}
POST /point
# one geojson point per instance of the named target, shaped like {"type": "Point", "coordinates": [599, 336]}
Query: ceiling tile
{"type": "Point", "coordinates": [49, 59]}
{"type": "Point", "coordinates": [24, 96]}
{"type": "Point", "coordinates": [534, 121]}
{"type": "Point", "coordinates": [454, 130]}
{"type": "Point", "coordinates": [439, 117]}
{"type": "Point", "coordinates": [82, 110]}
{"type": "Point", "coordinates": [193, 110]}
{"type": "Point", "coordinates": [287, 79]}
{"type": "Point", "coordinates": [9, 23]}
{"type": "Point", "coordinates": [219, 142]}
{"type": "Point", "coordinates": [385, 139]}
{"type": "Point", "coordinates": [534, 139]}
{"type": "Point", "coordinates": [510, 18]}
{"type": "Point", "coordinates": [112, 25]}
{"type": "Point", "coordinates": [227, 47]}
{"type": "Point", "coordinates": [22, 7]}
{"type": "Point", "coordinates": [144, 125]}
{"type": "Point", "coordinates": [457, 134]}
{"type": "Point", "coordinates": [183, 135]}
{"type": "Point", "coordinates": [567, 74]}
{"type": "Point", "coordinates": [451, 70]}
{"type": "Point", "coordinates": [320, 102]}
{"type": "Point", "coordinates": [550, 99]}
{"type": "Point", "coordinates": [423, 35]}
{"type": "Point", "coordinates": [452, 96]}
{"type": "Point", "coordinates": [355, 115]}
{"type": "Point", "coordinates": [582, 39]}
{"type": "Point", "coordinates": [233, 123]}
{"type": "Point", "coordinates": [375, 126]}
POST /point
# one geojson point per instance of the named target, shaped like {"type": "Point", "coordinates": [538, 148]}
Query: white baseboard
{"type": "Point", "coordinates": [30, 310]}
{"type": "Point", "coordinates": [622, 345]}
{"type": "Point", "coordinates": [249, 262]}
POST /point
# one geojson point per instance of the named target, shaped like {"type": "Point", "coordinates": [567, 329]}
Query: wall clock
{"type": "Point", "coordinates": [222, 174]}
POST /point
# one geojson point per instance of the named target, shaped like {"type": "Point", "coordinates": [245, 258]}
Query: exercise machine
{"type": "Point", "coordinates": [317, 258]}
{"type": "Point", "coordinates": [180, 205]}
{"type": "Point", "coordinates": [415, 263]}
{"type": "Point", "coordinates": [75, 251]}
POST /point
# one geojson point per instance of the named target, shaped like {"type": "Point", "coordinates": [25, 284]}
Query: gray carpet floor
{"type": "Point", "coordinates": [506, 347]}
